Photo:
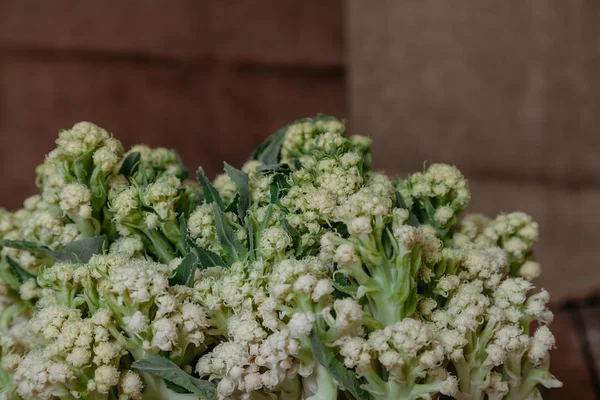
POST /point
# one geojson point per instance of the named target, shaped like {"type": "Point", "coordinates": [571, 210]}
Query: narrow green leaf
{"type": "Point", "coordinates": [211, 195]}
{"type": "Point", "coordinates": [83, 165]}
{"type": "Point", "coordinates": [207, 259]}
{"type": "Point", "coordinates": [233, 205]}
{"type": "Point", "coordinates": [278, 187]}
{"type": "Point", "coordinates": [343, 287]}
{"type": "Point", "coordinates": [233, 248]}
{"type": "Point", "coordinates": [131, 163]}
{"type": "Point", "coordinates": [170, 372]}
{"type": "Point", "coordinates": [343, 376]}
{"type": "Point", "coordinates": [251, 233]}
{"type": "Point", "coordinates": [19, 272]}
{"type": "Point", "coordinates": [240, 178]}
{"type": "Point", "coordinates": [184, 273]}
{"type": "Point", "coordinates": [21, 245]}
{"type": "Point", "coordinates": [296, 239]}
{"type": "Point", "coordinates": [79, 251]}
{"type": "Point", "coordinates": [184, 171]}
{"type": "Point", "coordinates": [268, 151]}
{"type": "Point", "coordinates": [412, 218]}
{"type": "Point", "coordinates": [176, 388]}
{"type": "Point", "coordinates": [273, 168]}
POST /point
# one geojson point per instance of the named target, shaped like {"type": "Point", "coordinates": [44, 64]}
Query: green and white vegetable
{"type": "Point", "coordinates": [303, 275]}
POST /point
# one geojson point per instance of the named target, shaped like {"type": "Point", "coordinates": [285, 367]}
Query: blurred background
{"type": "Point", "coordinates": [507, 91]}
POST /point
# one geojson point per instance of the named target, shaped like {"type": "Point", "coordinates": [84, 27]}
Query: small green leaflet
{"type": "Point", "coordinates": [250, 232]}
{"type": "Point", "coordinates": [211, 195]}
{"type": "Point", "coordinates": [196, 258]}
{"type": "Point", "coordinates": [79, 251]}
{"type": "Point", "coordinates": [184, 171]}
{"type": "Point", "coordinates": [131, 163]}
{"type": "Point", "coordinates": [170, 372]}
{"type": "Point", "coordinates": [207, 259]}
{"type": "Point", "coordinates": [342, 376]}
{"type": "Point", "coordinates": [412, 218]}
{"type": "Point", "coordinates": [233, 248]}
{"type": "Point", "coordinates": [184, 273]}
{"type": "Point", "coordinates": [268, 151]}
{"type": "Point", "coordinates": [296, 239]}
{"type": "Point", "coordinates": [82, 165]}
{"type": "Point", "coordinates": [272, 168]}
{"type": "Point", "coordinates": [240, 178]}
{"type": "Point", "coordinates": [279, 184]}
{"type": "Point", "coordinates": [233, 205]}
{"type": "Point", "coordinates": [19, 272]}
{"type": "Point", "coordinates": [343, 287]}
{"type": "Point", "coordinates": [176, 388]}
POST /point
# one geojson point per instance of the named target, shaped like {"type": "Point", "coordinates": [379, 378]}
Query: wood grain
{"type": "Point", "coordinates": [209, 113]}
{"type": "Point", "coordinates": [504, 89]}
{"type": "Point", "coordinates": [265, 32]}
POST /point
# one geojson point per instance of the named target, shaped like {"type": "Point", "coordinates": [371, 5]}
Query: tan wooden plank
{"type": "Point", "coordinates": [209, 113]}
{"type": "Point", "coordinates": [271, 31]}
{"type": "Point", "coordinates": [508, 89]}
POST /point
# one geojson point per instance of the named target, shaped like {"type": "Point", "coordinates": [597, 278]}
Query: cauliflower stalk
{"type": "Point", "coordinates": [303, 275]}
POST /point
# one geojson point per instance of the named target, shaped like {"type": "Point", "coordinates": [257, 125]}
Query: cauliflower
{"type": "Point", "coordinates": [303, 275]}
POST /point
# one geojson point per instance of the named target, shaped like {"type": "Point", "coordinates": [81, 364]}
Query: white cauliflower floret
{"type": "Point", "coordinates": [131, 385]}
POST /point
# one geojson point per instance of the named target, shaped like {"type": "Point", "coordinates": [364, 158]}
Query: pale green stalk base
{"type": "Point", "coordinates": [327, 389]}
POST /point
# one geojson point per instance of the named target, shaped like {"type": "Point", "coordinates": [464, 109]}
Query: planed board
{"type": "Point", "coordinates": [568, 363]}
{"type": "Point", "coordinates": [209, 113]}
{"type": "Point", "coordinates": [257, 31]}
{"type": "Point", "coordinates": [507, 89]}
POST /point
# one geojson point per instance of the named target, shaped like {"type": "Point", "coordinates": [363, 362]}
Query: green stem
{"type": "Point", "coordinates": [164, 250]}
{"type": "Point", "coordinates": [327, 389]}
{"type": "Point", "coordinates": [86, 226]}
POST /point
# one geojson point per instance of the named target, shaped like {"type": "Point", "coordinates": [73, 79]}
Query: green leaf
{"type": "Point", "coordinates": [211, 195]}
{"type": "Point", "coordinates": [184, 273]}
{"type": "Point", "coordinates": [233, 248]}
{"type": "Point", "coordinates": [19, 272]}
{"type": "Point", "coordinates": [176, 388]}
{"type": "Point", "coordinates": [250, 232]}
{"type": "Point", "coordinates": [170, 372]}
{"type": "Point", "coordinates": [278, 187]}
{"type": "Point", "coordinates": [273, 168]}
{"type": "Point", "coordinates": [207, 259]}
{"type": "Point", "coordinates": [296, 239]}
{"type": "Point", "coordinates": [240, 178]}
{"type": "Point", "coordinates": [184, 171]}
{"type": "Point", "coordinates": [268, 151]}
{"type": "Point", "coordinates": [83, 165]}
{"type": "Point", "coordinates": [344, 377]}
{"type": "Point", "coordinates": [79, 251]}
{"type": "Point", "coordinates": [343, 286]}
{"type": "Point", "coordinates": [412, 218]}
{"type": "Point", "coordinates": [131, 163]}
{"type": "Point", "coordinates": [233, 205]}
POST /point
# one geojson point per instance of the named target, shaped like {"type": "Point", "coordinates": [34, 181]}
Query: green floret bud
{"type": "Point", "coordinates": [436, 196]}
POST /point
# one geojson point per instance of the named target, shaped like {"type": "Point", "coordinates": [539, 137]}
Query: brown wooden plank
{"type": "Point", "coordinates": [591, 318]}
{"type": "Point", "coordinates": [568, 363]}
{"type": "Point", "coordinates": [210, 113]}
{"type": "Point", "coordinates": [505, 89]}
{"type": "Point", "coordinates": [272, 31]}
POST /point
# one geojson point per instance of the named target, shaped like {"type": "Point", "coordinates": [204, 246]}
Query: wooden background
{"type": "Point", "coordinates": [507, 91]}
{"type": "Point", "coordinates": [209, 78]}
